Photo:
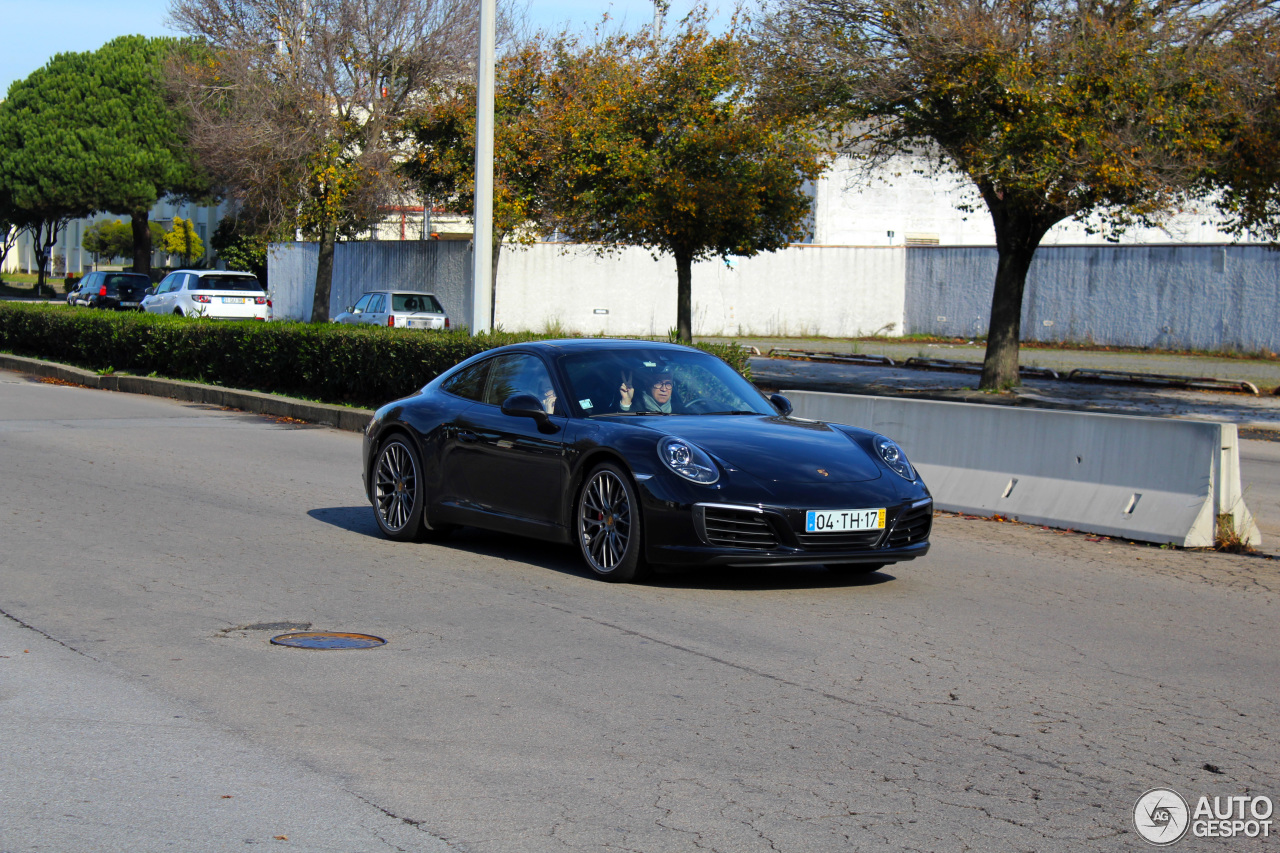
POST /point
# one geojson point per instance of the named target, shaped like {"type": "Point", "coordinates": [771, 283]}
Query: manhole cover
{"type": "Point", "coordinates": [327, 640]}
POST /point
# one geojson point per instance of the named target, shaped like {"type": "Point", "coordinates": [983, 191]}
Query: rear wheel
{"type": "Point", "coordinates": [854, 570]}
{"type": "Point", "coordinates": [609, 526]}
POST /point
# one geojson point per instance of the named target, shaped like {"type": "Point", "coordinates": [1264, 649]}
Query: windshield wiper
{"type": "Point", "coordinates": [735, 412]}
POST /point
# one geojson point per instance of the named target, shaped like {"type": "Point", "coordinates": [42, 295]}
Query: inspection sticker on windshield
{"type": "Point", "coordinates": [843, 520]}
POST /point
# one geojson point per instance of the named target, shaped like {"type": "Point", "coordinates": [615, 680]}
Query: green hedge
{"type": "Point", "coordinates": [357, 365]}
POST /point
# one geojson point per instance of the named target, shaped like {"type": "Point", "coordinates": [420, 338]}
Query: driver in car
{"type": "Point", "coordinates": [656, 391]}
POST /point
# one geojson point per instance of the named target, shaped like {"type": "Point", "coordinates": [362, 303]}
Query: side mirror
{"type": "Point", "coordinates": [528, 406]}
{"type": "Point", "coordinates": [351, 310]}
{"type": "Point", "coordinates": [151, 291]}
{"type": "Point", "coordinates": [781, 403]}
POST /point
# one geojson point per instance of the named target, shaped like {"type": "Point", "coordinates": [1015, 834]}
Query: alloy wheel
{"type": "Point", "coordinates": [395, 485]}
{"type": "Point", "coordinates": [604, 521]}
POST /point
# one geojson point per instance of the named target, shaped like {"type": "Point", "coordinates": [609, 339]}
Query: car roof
{"type": "Point", "coordinates": [217, 272]}
{"type": "Point", "coordinates": [403, 292]}
{"type": "Point", "coordinates": [567, 346]}
{"type": "Point", "coordinates": [572, 345]}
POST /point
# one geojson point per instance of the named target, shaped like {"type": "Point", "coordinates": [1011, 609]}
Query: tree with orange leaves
{"type": "Point", "coordinates": [633, 140]}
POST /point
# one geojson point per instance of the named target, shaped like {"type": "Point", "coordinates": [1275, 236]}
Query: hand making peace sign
{"type": "Point", "coordinates": [628, 390]}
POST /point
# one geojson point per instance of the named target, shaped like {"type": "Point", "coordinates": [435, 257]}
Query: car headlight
{"type": "Point", "coordinates": [893, 456]}
{"type": "Point", "coordinates": [688, 460]}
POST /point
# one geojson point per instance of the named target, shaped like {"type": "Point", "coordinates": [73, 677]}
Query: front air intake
{"type": "Point", "coordinates": [911, 527]}
{"type": "Point", "coordinates": [737, 528]}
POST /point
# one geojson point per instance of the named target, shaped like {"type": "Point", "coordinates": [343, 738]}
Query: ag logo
{"type": "Point", "coordinates": [1161, 816]}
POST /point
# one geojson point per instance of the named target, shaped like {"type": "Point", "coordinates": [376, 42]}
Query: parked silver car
{"type": "Point", "coordinates": [220, 294]}
{"type": "Point", "coordinates": [401, 309]}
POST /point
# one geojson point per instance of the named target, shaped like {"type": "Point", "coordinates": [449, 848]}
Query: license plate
{"type": "Point", "coordinates": [233, 300]}
{"type": "Point", "coordinates": [843, 520]}
{"type": "Point", "coordinates": [128, 305]}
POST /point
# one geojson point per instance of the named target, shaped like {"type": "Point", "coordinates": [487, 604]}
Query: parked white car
{"type": "Point", "coordinates": [401, 309]}
{"type": "Point", "coordinates": [219, 294]}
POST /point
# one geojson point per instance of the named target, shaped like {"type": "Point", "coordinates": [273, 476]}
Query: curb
{"type": "Point", "coordinates": [341, 417]}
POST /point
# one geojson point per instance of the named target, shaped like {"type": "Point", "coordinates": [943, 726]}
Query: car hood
{"type": "Point", "coordinates": [773, 448]}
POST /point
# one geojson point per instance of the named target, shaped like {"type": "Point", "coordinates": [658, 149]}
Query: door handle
{"type": "Point", "coordinates": [467, 436]}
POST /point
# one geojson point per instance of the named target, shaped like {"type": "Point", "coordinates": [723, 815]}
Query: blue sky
{"type": "Point", "coordinates": [35, 30]}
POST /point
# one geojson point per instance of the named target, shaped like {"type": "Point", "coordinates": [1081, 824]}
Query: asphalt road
{"type": "Point", "coordinates": [1017, 689]}
{"type": "Point", "coordinates": [1260, 480]}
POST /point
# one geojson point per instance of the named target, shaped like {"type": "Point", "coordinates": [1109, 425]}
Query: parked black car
{"type": "Point", "coordinates": [641, 453]}
{"type": "Point", "coordinates": [119, 291]}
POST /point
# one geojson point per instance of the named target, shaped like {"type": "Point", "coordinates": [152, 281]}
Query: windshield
{"type": "Point", "coordinates": [226, 282]}
{"type": "Point", "coordinates": [645, 381]}
{"type": "Point", "coordinates": [415, 302]}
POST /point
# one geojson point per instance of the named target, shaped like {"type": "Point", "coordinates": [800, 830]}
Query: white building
{"type": "Point", "coordinates": [904, 204]}
{"type": "Point", "coordinates": [70, 256]}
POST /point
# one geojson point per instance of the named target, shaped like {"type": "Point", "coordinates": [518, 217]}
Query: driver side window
{"type": "Point", "coordinates": [363, 305]}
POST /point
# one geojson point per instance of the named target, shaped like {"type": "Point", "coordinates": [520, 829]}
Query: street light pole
{"type": "Point", "coordinates": [482, 266]}
{"type": "Point", "coordinates": [660, 8]}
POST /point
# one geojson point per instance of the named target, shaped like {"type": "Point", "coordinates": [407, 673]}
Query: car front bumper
{"type": "Point", "coordinates": [743, 534]}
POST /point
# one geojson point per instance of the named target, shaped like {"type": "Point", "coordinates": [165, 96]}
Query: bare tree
{"type": "Point", "coordinates": [296, 106]}
{"type": "Point", "coordinates": [1053, 109]}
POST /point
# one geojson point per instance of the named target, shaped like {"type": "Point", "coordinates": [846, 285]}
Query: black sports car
{"type": "Point", "coordinates": [643, 454]}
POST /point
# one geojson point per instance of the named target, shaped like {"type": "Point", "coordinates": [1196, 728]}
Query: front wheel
{"type": "Point", "coordinates": [609, 526]}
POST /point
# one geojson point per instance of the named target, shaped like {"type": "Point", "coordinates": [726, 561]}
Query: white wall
{"type": "Point", "coordinates": [442, 267]}
{"type": "Point", "coordinates": [800, 290]}
{"type": "Point", "coordinates": [852, 209]}
{"type": "Point", "coordinates": [1170, 296]}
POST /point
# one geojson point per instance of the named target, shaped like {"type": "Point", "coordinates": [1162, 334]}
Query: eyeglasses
{"type": "Point", "coordinates": [663, 383]}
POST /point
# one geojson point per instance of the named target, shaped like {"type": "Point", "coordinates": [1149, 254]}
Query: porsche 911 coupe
{"type": "Point", "coordinates": [643, 454]}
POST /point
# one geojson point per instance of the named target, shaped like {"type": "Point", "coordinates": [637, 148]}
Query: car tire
{"type": "Point", "coordinates": [177, 312]}
{"type": "Point", "coordinates": [854, 570]}
{"type": "Point", "coordinates": [609, 527]}
{"type": "Point", "coordinates": [398, 490]}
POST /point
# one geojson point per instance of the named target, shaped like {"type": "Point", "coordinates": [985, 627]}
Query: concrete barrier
{"type": "Point", "coordinates": [1149, 479]}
